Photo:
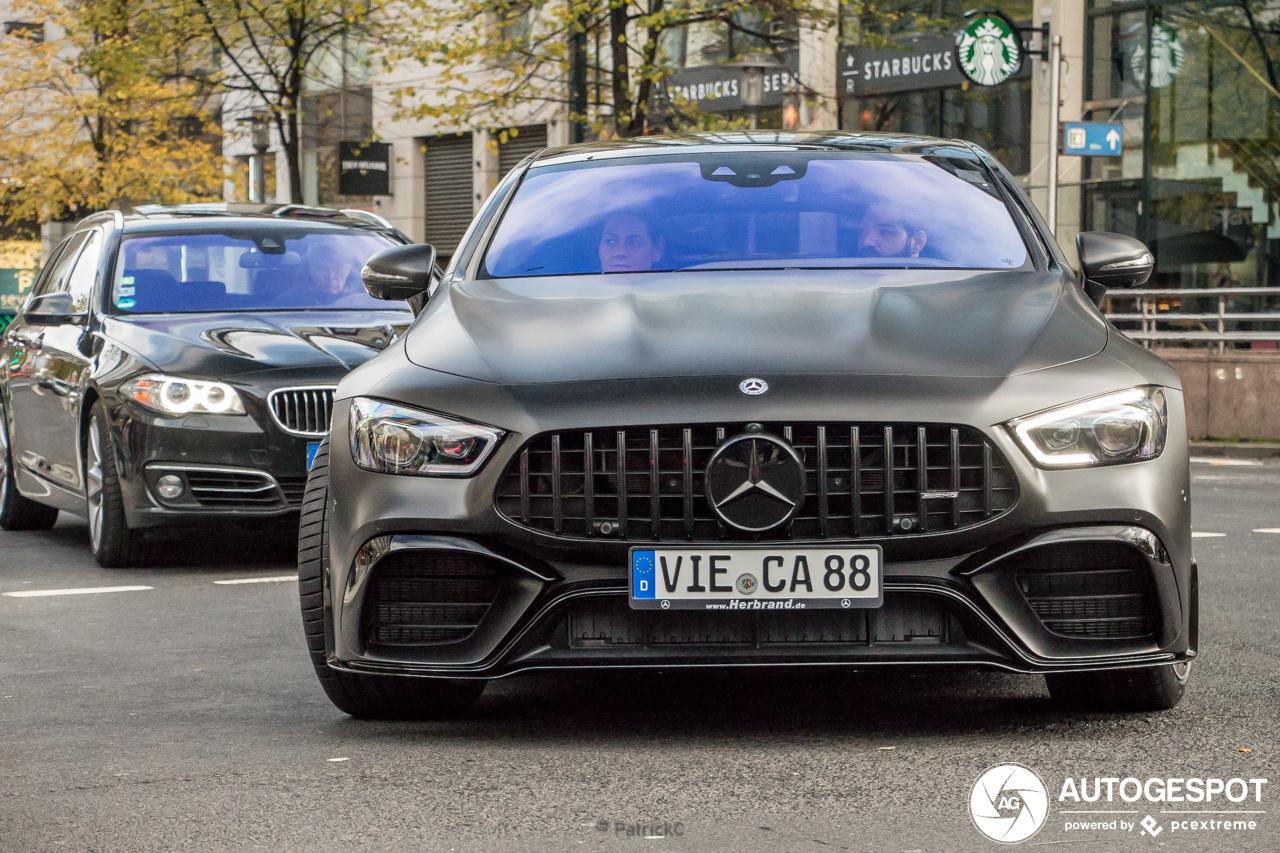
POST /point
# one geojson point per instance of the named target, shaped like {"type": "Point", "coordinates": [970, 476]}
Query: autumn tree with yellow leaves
{"type": "Point", "coordinates": [489, 61]}
{"type": "Point", "coordinates": [104, 106]}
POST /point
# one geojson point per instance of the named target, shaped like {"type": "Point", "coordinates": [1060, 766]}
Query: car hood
{"type": "Point", "coordinates": [233, 343]}
{"type": "Point", "coordinates": [853, 322]}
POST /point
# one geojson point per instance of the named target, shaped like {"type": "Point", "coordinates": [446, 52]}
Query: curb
{"type": "Point", "coordinates": [1236, 449]}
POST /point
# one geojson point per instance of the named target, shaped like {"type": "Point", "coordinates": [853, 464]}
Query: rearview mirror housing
{"type": "Point", "coordinates": [399, 273]}
{"type": "Point", "coordinates": [51, 309]}
{"type": "Point", "coordinates": [1112, 260]}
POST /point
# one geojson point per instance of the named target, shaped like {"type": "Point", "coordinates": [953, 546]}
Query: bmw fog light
{"type": "Point", "coordinates": [1126, 426]}
{"type": "Point", "coordinates": [170, 487]}
{"type": "Point", "coordinates": [395, 439]}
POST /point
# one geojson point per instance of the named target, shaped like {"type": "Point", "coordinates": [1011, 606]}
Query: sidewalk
{"type": "Point", "coordinates": [1236, 449]}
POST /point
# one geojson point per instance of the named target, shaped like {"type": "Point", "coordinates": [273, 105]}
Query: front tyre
{"type": "Point", "coordinates": [369, 696]}
{"type": "Point", "coordinates": [1153, 688]}
{"type": "Point", "coordinates": [17, 512]}
{"type": "Point", "coordinates": [113, 543]}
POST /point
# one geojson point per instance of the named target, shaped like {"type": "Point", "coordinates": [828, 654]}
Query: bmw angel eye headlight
{"type": "Point", "coordinates": [394, 439]}
{"type": "Point", "coordinates": [1126, 426]}
{"type": "Point", "coordinates": [173, 395]}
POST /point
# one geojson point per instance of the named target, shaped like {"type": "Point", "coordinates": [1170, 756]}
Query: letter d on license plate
{"type": "Point", "coordinates": [754, 578]}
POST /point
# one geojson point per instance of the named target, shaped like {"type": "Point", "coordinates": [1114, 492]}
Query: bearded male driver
{"type": "Point", "coordinates": [885, 234]}
{"type": "Point", "coordinates": [627, 246]}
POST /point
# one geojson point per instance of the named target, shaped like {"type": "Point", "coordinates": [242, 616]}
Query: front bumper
{"type": "Point", "coordinates": [950, 597]}
{"type": "Point", "coordinates": [233, 468]}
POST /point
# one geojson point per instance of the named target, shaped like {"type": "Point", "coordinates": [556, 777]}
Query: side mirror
{"type": "Point", "coordinates": [51, 309]}
{"type": "Point", "coordinates": [399, 273]}
{"type": "Point", "coordinates": [1112, 260]}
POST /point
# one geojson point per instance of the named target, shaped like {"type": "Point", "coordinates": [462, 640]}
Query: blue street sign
{"type": "Point", "coordinates": [1093, 140]}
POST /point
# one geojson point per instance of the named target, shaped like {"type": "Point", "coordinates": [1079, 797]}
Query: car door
{"type": "Point", "coordinates": [66, 360]}
{"type": "Point", "coordinates": [28, 405]}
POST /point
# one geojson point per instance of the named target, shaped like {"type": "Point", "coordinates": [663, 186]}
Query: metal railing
{"type": "Point", "coordinates": [1162, 316]}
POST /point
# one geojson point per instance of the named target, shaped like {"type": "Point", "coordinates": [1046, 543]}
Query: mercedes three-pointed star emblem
{"type": "Point", "coordinates": [755, 481]}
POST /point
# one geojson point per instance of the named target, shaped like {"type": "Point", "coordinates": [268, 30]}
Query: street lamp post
{"type": "Point", "coordinates": [260, 138]}
{"type": "Point", "coordinates": [752, 91]}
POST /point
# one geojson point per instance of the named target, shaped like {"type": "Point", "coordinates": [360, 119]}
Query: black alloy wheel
{"type": "Point", "coordinates": [113, 544]}
{"type": "Point", "coordinates": [387, 697]}
{"type": "Point", "coordinates": [16, 511]}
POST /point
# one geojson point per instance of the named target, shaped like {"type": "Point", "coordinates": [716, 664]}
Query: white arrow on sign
{"type": "Point", "coordinates": [1113, 138]}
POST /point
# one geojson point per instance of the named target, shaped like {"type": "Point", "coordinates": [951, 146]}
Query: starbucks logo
{"type": "Point", "coordinates": [988, 50]}
{"type": "Point", "coordinates": [1167, 56]}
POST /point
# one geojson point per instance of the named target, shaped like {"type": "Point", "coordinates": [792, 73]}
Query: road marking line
{"type": "Point", "coordinates": [34, 593]}
{"type": "Point", "coordinates": [1210, 460]}
{"type": "Point", "coordinates": [277, 579]}
{"type": "Point", "coordinates": [1266, 530]}
{"type": "Point", "coordinates": [1198, 535]}
{"type": "Point", "coordinates": [337, 759]}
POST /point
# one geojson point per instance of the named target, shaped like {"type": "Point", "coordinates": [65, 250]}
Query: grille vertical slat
{"type": "Point", "coordinates": [622, 482]}
{"type": "Point", "coordinates": [688, 481]}
{"type": "Point", "coordinates": [922, 477]}
{"type": "Point", "coordinates": [302, 411]}
{"type": "Point", "coordinates": [955, 476]}
{"type": "Point", "coordinates": [855, 480]}
{"type": "Point", "coordinates": [524, 485]}
{"type": "Point", "coordinates": [589, 483]}
{"type": "Point", "coordinates": [557, 506]}
{"type": "Point", "coordinates": [822, 481]}
{"type": "Point", "coordinates": [655, 484]}
{"type": "Point", "coordinates": [575, 483]}
{"type": "Point", "coordinates": [888, 478]}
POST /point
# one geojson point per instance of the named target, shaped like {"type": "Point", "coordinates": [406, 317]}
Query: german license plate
{"type": "Point", "coordinates": [754, 578]}
{"type": "Point", "coordinates": [311, 453]}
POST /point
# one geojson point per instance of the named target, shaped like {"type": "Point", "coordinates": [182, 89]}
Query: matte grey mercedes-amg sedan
{"type": "Point", "coordinates": [765, 399]}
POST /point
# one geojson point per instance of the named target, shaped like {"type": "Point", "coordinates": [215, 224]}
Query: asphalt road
{"type": "Point", "coordinates": [186, 717]}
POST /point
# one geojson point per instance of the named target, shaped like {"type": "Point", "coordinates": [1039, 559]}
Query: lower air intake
{"type": "Point", "coordinates": [1098, 590]}
{"type": "Point", "coordinates": [428, 598]}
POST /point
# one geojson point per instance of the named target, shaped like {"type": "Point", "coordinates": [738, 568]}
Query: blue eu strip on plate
{"type": "Point", "coordinates": [311, 453]}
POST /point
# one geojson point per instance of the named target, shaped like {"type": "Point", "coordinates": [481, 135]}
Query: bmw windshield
{"type": "Point", "coordinates": [239, 269]}
{"type": "Point", "coordinates": [755, 209]}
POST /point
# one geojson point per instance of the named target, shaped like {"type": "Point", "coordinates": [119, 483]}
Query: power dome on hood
{"type": "Point", "coordinates": [864, 322]}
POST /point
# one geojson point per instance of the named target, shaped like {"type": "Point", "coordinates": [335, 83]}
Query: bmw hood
{"type": "Point", "coordinates": [222, 344]}
{"type": "Point", "coordinates": [863, 322]}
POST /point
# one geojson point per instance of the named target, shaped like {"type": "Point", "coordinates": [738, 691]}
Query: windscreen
{"type": "Point", "coordinates": [235, 270]}
{"type": "Point", "coordinates": [753, 210]}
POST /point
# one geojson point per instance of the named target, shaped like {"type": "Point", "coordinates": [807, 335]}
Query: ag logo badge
{"type": "Point", "coordinates": [989, 51]}
{"type": "Point", "coordinates": [1009, 803]}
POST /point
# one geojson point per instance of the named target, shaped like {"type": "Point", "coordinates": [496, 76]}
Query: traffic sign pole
{"type": "Point", "coordinates": [1055, 106]}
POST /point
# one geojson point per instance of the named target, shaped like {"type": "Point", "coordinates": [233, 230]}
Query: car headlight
{"type": "Point", "coordinates": [1125, 426]}
{"type": "Point", "coordinates": [173, 395]}
{"type": "Point", "coordinates": [398, 440]}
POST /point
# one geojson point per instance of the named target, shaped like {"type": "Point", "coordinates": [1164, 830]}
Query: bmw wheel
{"type": "Point", "coordinates": [1153, 688]}
{"type": "Point", "coordinates": [16, 512]}
{"type": "Point", "coordinates": [113, 544]}
{"type": "Point", "coordinates": [372, 696]}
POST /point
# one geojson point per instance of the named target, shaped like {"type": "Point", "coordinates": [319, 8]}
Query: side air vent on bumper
{"type": "Point", "coordinates": [863, 479]}
{"type": "Point", "coordinates": [1085, 590]}
{"type": "Point", "coordinates": [427, 598]}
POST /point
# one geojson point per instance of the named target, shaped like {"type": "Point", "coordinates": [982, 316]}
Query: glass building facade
{"type": "Point", "coordinates": [1194, 86]}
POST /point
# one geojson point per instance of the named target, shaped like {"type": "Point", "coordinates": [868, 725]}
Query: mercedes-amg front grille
{"type": "Point", "coordinates": [862, 479]}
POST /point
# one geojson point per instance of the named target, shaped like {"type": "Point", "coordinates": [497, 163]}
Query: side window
{"type": "Point", "coordinates": [80, 281]}
{"type": "Point", "coordinates": [54, 277]}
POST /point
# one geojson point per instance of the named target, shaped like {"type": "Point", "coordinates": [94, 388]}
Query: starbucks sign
{"type": "Point", "coordinates": [988, 50]}
{"type": "Point", "coordinates": [1167, 56]}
